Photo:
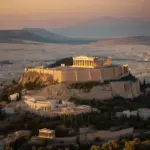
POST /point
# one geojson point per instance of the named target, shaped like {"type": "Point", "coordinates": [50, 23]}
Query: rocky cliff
{"type": "Point", "coordinates": [36, 78]}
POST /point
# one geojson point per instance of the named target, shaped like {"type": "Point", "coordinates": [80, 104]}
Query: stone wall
{"type": "Point", "coordinates": [82, 75]}
{"type": "Point", "coordinates": [107, 135]}
{"type": "Point", "coordinates": [66, 139]}
{"type": "Point", "coordinates": [111, 73]}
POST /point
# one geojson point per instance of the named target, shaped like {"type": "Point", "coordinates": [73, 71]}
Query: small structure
{"type": "Point", "coordinates": [46, 133]}
{"type": "Point", "coordinates": [90, 62]}
{"type": "Point", "coordinates": [144, 113]}
{"type": "Point", "coordinates": [14, 97]}
{"type": "Point", "coordinates": [40, 103]}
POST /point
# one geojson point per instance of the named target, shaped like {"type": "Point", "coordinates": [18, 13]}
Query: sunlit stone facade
{"type": "Point", "coordinates": [46, 133]}
{"type": "Point", "coordinates": [90, 62]}
{"type": "Point", "coordinates": [84, 69]}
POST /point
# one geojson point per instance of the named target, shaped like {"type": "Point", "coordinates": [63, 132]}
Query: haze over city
{"type": "Point", "coordinates": [16, 14]}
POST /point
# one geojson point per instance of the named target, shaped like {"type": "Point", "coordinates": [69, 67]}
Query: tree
{"type": "Point", "coordinates": [111, 145]}
{"type": "Point", "coordinates": [13, 81]}
{"type": "Point", "coordinates": [144, 86]}
{"type": "Point", "coordinates": [34, 148]}
{"type": "Point", "coordinates": [8, 148]}
{"type": "Point", "coordinates": [94, 147]}
{"type": "Point", "coordinates": [132, 145]}
{"type": "Point", "coordinates": [41, 148]}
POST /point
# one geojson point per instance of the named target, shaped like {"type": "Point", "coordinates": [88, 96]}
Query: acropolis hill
{"type": "Point", "coordinates": [109, 80]}
{"type": "Point", "coordinates": [84, 69]}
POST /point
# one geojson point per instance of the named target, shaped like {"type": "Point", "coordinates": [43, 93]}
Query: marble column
{"type": "Point", "coordinates": [88, 63]}
{"type": "Point", "coordinates": [82, 62]}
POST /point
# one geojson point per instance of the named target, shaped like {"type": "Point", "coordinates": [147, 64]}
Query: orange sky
{"type": "Point", "coordinates": [58, 13]}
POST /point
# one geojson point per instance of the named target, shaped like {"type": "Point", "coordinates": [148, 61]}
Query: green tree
{"type": "Point", "coordinates": [132, 145]}
{"type": "Point", "coordinates": [111, 145]}
{"type": "Point", "coordinates": [13, 81]}
{"type": "Point", "coordinates": [94, 147]}
{"type": "Point", "coordinates": [34, 148]}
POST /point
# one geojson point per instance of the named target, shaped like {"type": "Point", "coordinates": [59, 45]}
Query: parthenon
{"type": "Point", "coordinates": [90, 62]}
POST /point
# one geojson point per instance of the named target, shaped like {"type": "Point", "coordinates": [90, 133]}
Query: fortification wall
{"type": "Point", "coordinates": [66, 139]}
{"type": "Point", "coordinates": [82, 75]}
{"type": "Point", "coordinates": [105, 134]}
{"type": "Point", "coordinates": [110, 73]}
{"type": "Point", "coordinates": [96, 74]}
{"type": "Point", "coordinates": [57, 76]}
{"type": "Point", "coordinates": [68, 76]}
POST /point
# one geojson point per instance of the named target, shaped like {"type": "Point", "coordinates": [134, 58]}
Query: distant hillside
{"type": "Point", "coordinates": [138, 40]}
{"type": "Point", "coordinates": [107, 27]}
{"type": "Point", "coordinates": [38, 35]}
{"type": "Point", "coordinates": [46, 34]}
{"type": "Point", "coordinates": [19, 35]}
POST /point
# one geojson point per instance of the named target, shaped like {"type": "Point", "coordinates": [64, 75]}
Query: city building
{"type": "Point", "coordinates": [43, 104]}
{"type": "Point", "coordinates": [14, 97]}
{"type": "Point", "coordinates": [40, 103]}
{"type": "Point", "coordinates": [143, 113]}
{"type": "Point", "coordinates": [47, 133]}
{"type": "Point", "coordinates": [55, 107]}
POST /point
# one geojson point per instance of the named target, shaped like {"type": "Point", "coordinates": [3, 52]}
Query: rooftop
{"type": "Point", "coordinates": [46, 130]}
{"type": "Point", "coordinates": [89, 58]}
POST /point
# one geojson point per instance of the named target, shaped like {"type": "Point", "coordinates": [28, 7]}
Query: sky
{"type": "Point", "coordinates": [63, 13]}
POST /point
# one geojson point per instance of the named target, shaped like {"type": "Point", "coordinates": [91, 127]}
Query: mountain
{"type": "Point", "coordinates": [19, 35]}
{"type": "Point", "coordinates": [107, 27]}
{"type": "Point", "coordinates": [137, 40]}
{"type": "Point", "coordinates": [46, 34]}
{"type": "Point", "coordinates": [29, 35]}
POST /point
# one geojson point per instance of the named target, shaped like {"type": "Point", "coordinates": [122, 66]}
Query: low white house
{"type": "Point", "coordinates": [40, 103]}
{"type": "Point", "coordinates": [134, 113]}
{"type": "Point", "coordinates": [144, 113]}
{"type": "Point", "coordinates": [14, 96]}
{"type": "Point", "coordinates": [126, 113]}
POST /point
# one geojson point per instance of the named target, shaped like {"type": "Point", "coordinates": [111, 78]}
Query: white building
{"type": "Point", "coordinates": [134, 113]}
{"type": "Point", "coordinates": [40, 103]}
{"type": "Point", "coordinates": [14, 96]}
{"type": "Point", "coordinates": [126, 113]}
{"type": "Point", "coordinates": [144, 113]}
